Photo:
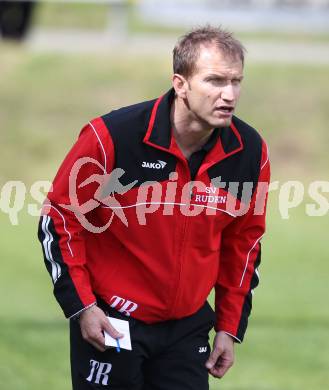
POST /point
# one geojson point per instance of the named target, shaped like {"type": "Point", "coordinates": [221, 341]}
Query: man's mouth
{"type": "Point", "coordinates": [226, 110]}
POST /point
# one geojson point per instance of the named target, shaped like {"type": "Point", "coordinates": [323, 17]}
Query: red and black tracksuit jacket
{"type": "Point", "coordinates": [163, 247]}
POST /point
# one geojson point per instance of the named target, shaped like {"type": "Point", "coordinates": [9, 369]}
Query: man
{"type": "Point", "coordinates": [145, 217]}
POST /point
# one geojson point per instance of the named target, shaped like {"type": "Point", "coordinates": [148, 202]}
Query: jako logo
{"type": "Point", "coordinates": [158, 165]}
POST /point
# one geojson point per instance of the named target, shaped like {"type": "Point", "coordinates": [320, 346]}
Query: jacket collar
{"type": "Point", "coordinates": [159, 133]}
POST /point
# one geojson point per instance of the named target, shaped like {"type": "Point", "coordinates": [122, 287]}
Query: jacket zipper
{"type": "Point", "coordinates": [181, 251]}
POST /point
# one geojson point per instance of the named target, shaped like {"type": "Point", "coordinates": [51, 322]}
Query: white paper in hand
{"type": "Point", "coordinates": [121, 326]}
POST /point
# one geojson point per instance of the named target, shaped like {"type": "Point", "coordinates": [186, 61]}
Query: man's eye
{"type": "Point", "coordinates": [236, 81]}
{"type": "Point", "coordinates": [216, 81]}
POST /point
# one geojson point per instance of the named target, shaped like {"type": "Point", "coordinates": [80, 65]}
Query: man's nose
{"type": "Point", "coordinates": [228, 92]}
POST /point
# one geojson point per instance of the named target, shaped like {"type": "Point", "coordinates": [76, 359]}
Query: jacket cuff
{"type": "Point", "coordinates": [228, 328]}
{"type": "Point", "coordinates": [233, 337]}
{"type": "Point", "coordinates": [76, 315]}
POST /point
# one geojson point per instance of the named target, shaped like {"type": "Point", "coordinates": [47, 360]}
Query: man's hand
{"type": "Point", "coordinates": [93, 322]}
{"type": "Point", "coordinates": [222, 355]}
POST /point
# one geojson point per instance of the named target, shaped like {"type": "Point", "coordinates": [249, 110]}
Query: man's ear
{"type": "Point", "coordinates": [180, 85]}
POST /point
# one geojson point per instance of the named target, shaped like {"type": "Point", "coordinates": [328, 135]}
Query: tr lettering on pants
{"type": "Point", "coordinates": [99, 372]}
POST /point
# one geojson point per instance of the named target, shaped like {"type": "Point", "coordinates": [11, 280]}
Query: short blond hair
{"type": "Point", "coordinates": [187, 49]}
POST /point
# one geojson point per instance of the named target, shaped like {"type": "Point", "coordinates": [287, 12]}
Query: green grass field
{"type": "Point", "coordinates": [44, 101]}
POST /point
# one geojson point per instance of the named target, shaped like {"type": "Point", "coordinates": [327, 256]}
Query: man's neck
{"type": "Point", "coordinates": [190, 134]}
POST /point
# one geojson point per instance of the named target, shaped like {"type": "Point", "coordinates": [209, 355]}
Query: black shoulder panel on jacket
{"type": "Point", "coordinates": [242, 167]}
{"type": "Point", "coordinates": [127, 127]}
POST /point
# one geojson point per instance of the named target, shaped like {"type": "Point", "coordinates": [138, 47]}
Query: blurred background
{"type": "Point", "coordinates": [65, 62]}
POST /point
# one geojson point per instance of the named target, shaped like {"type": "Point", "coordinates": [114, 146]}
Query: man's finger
{"type": "Point", "coordinates": [96, 339]}
{"type": "Point", "coordinates": [213, 358]}
{"type": "Point", "coordinates": [219, 372]}
{"type": "Point", "coordinates": [97, 345]}
{"type": "Point", "coordinates": [216, 372]}
{"type": "Point", "coordinates": [111, 330]}
{"type": "Point", "coordinates": [220, 369]}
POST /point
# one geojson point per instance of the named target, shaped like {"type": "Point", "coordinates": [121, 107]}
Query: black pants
{"type": "Point", "coordinates": [169, 355]}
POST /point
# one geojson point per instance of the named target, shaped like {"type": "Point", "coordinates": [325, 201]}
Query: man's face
{"type": "Point", "coordinates": [214, 88]}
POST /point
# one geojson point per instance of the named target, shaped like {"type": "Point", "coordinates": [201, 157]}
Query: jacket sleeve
{"type": "Point", "coordinates": [240, 256]}
{"type": "Point", "coordinates": [61, 233]}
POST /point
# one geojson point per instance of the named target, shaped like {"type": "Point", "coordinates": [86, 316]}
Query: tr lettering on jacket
{"type": "Point", "coordinates": [124, 306]}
